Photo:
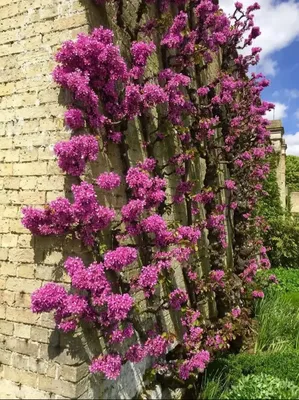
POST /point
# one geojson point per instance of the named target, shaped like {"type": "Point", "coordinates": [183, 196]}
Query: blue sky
{"type": "Point", "coordinates": [279, 24]}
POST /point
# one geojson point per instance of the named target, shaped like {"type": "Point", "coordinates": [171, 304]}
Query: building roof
{"type": "Point", "coordinates": [277, 123]}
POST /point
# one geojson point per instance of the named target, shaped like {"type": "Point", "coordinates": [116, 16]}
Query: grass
{"type": "Point", "coordinates": [213, 389]}
{"type": "Point", "coordinates": [293, 298]}
{"type": "Point", "coordinates": [278, 319]}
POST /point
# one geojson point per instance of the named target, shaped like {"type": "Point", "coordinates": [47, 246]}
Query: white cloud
{"type": "Point", "coordinates": [280, 112]}
{"type": "Point", "coordinates": [292, 93]}
{"type": "Point", "coordinates": [279, 26]}
{"type": "Point", "coordinates": [268, 66]}
{"type": "Point", "coordinates": [292, 142]}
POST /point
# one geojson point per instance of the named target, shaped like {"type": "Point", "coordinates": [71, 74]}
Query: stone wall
{"type": "Point", "coordinates": [294, 199]}
{"type": "Point", "coordinates": [35, 360]}
{"type": "Point", "coordinates": [30, 123]}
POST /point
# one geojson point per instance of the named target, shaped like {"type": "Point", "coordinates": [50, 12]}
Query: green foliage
{"type": "Point", "coordinates": [263, 386]}
{"type": "Point", "coordinates": [278, 322]}
{"type": "Point", "coordinates": [270, 206]}
{"type": "Point", "coordinates": [288, 279]}
{"type": "Point", "coordinates": [225, 372]}
{"type": "Point", "coordinates": [292, 173]}
{"type": "Point", "coordinates": [283, 235]}
{"type": "Point", "coordinates": [283, 365]}
{"type": "Point", "coordinates": [283, 239]}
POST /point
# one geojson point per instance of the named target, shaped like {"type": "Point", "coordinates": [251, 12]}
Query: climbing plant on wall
{"type": "Point", "coordinates": [217, 119]}
{"type": "Point", "coordinates": [292, 173]}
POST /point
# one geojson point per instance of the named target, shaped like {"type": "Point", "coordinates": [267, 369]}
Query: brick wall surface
{"type": "Point", "coordinates": [30, 123]}
{"type": "Point", "coordinates": [295, 203]}
{"type": "Point", "coordinates": [35, 360]}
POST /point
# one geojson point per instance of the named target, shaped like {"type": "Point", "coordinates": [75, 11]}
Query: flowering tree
{"type": "Point", "coordinates": [217, 119]}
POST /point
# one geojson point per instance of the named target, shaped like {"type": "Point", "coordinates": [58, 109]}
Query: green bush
{"type": "Point", "coordinates": [283, 239]}
{"type": "Point", "coordinates": [263, 386]}
{"type": "Point", "coordinates": [225, 372]}
{"type": "Point", "coordinates": [282, 365]}
{"type": "Point", "coordinates": [283, 235]}
{"type": "Point", "coordinates": [288, 279]}
{"type": "Point", "coordinates": [270, 206]}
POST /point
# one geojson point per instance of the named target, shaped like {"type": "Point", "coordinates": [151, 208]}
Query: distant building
{"type": "Point", "coordinates": [280, 147]}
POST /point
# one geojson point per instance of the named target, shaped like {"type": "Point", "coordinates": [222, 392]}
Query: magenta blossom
{"type": "Point", "coordinates": [136, 353]}
{"type": "Point", "coordinates": [108, 180]}
{"type": "Point", "coordinates": [109, 365]}
{"type": "Point", "coordinates": [217, 276]}
{"type": "Point", "coordinates": [74, 118]}
{"type": "Point", "coordinates": [48, 298]}
{"type": "Point", "coordinates": [258, 294]}
{"type": "Point", "coordinates": [230, 184]}
{"type": "Point", "coordinates": [273, 278]}
{"type": "Point", "coordinates": [120, 258]}
{"type": "Point", "coordinates": [236, 312]}
{"type": "Point", "coordinates": [198, 362]}
{"type": "Point", "coordinates": [177, 298]}
{"type": "Point", "coordinates": [73, 154]}
{"type": "Point", "coordinates": [156, 346]}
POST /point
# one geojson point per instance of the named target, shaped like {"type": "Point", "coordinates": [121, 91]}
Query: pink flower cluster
{"type": "Point", "coordinates": [217, 277]}
{"type": "Point", "coordinates": [230, 184]}
{"type": "Point", "coordinates": [141, 51]}
{"type": "Point", "coordinates": [148, 279]}
{"type": "Point", "coordinates": [150, 190]}
{"type": "Point", "coordinates": [258, 294]}
{"type": "Point", "coordinates": [73, 154]}
{"type": "Point", "coordinates": [216, 222]}
{"type": "Point", "coordinates": [177, 298]}
{"type": "Point", "coordinates": [216, 342]}
{"type": "Point", "coordinates": [236, 312]}
{"type": "Point", "coordinates": [74, 118]}
{"type": "Point", "coordinates": [119, 335]}
{"type": "Point", "coordinates": [120, 258]}
{"type": "Point", "coordinates": [198, 362]}
{"type": "Point", "coordinates": [189, 234]}
{"type": "Point", "coordinates": [85, 216]}
{"type": "Point", "coordinates": [90, 68]}
{"type": "Point", "coordinates": [249, 272]}
{"type": "Point", "coordinates": [273, 279]}
{"type": "Point", "coordinates": [70, 307]}
{"type": "Point", "coordinates": [156, 346]}
{"type": "Point", "coordinates": [108, 180]}
{"type": "Point", "coordinates": [182, 189]}
{"type": "Point", "coordinates": [193, 338]}
{"type": "Point", "coordinates": [109, 365]}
